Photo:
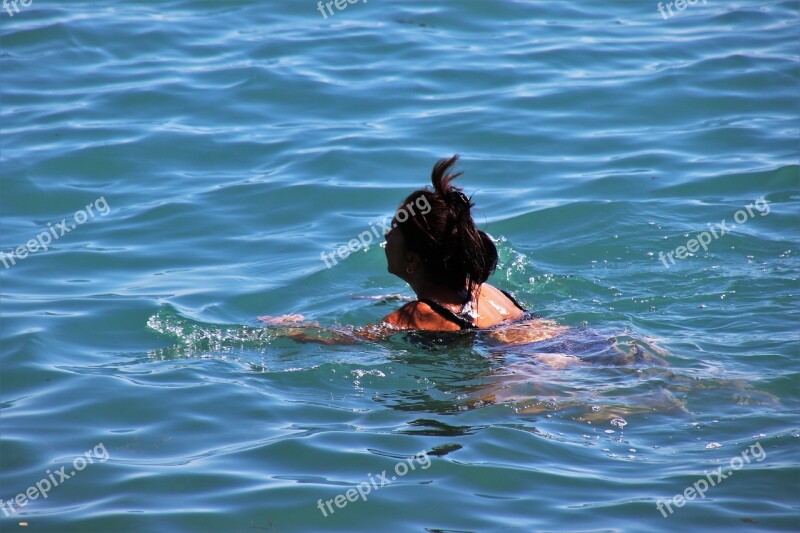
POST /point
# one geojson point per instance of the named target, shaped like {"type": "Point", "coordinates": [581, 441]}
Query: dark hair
{"type": "Point", "coordinates": [455, 252]}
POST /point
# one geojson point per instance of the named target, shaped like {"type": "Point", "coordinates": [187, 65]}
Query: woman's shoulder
{"type": "Point", "coordinates": [496, 306]}
{"type": "Point", "coordinates": [491, 290]}
{"type": "Point", "coordinates": [420, 315]}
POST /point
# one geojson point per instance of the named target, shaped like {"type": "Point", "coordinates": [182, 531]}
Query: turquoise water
{"type": "Point", "coordinates": [223, 146]}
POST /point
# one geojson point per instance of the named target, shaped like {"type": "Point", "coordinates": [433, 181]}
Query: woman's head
{"type": "Point", "coordinates": [442, 242]}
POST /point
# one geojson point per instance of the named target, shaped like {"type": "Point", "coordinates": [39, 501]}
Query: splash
{"type": "Point", "coordinates": [197, 337]}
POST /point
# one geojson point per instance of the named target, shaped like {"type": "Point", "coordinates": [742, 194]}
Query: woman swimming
{"type": "Point", "coordinates": [447, 261]}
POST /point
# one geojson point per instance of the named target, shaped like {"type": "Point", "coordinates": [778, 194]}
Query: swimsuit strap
{"type": "Point", "coordinates": [459, 320]}
{"type": "Point", "coordinates": [462, 319]}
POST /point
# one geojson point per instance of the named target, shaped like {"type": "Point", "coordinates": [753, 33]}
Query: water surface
{"type": "Point", "coordinates": [233, 142]}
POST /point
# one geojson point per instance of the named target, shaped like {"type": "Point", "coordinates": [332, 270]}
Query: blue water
{"type": "Point", "coordinates": [223, 146]}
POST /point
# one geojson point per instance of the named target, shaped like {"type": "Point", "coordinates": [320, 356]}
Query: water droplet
{"type": "Point", "coordinates": [713, 445]}
{"type": "Point", "coordinates": [619, 422]}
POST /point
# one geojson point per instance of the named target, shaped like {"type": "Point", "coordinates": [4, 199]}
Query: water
{"type": "Point", "coordinates": [234, 142]}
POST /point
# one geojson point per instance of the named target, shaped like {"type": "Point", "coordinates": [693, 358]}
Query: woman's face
{"type": "Point", "coordinates": [395, 251]}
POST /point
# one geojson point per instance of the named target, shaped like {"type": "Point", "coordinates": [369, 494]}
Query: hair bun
{"type": "Point", "coordinates": [441, 178]}
{"type": "Point", "coordinates": [456, 198]}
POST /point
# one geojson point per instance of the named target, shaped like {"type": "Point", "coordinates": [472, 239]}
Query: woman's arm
{"type": "Point", "coordinates": [293, 327]}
